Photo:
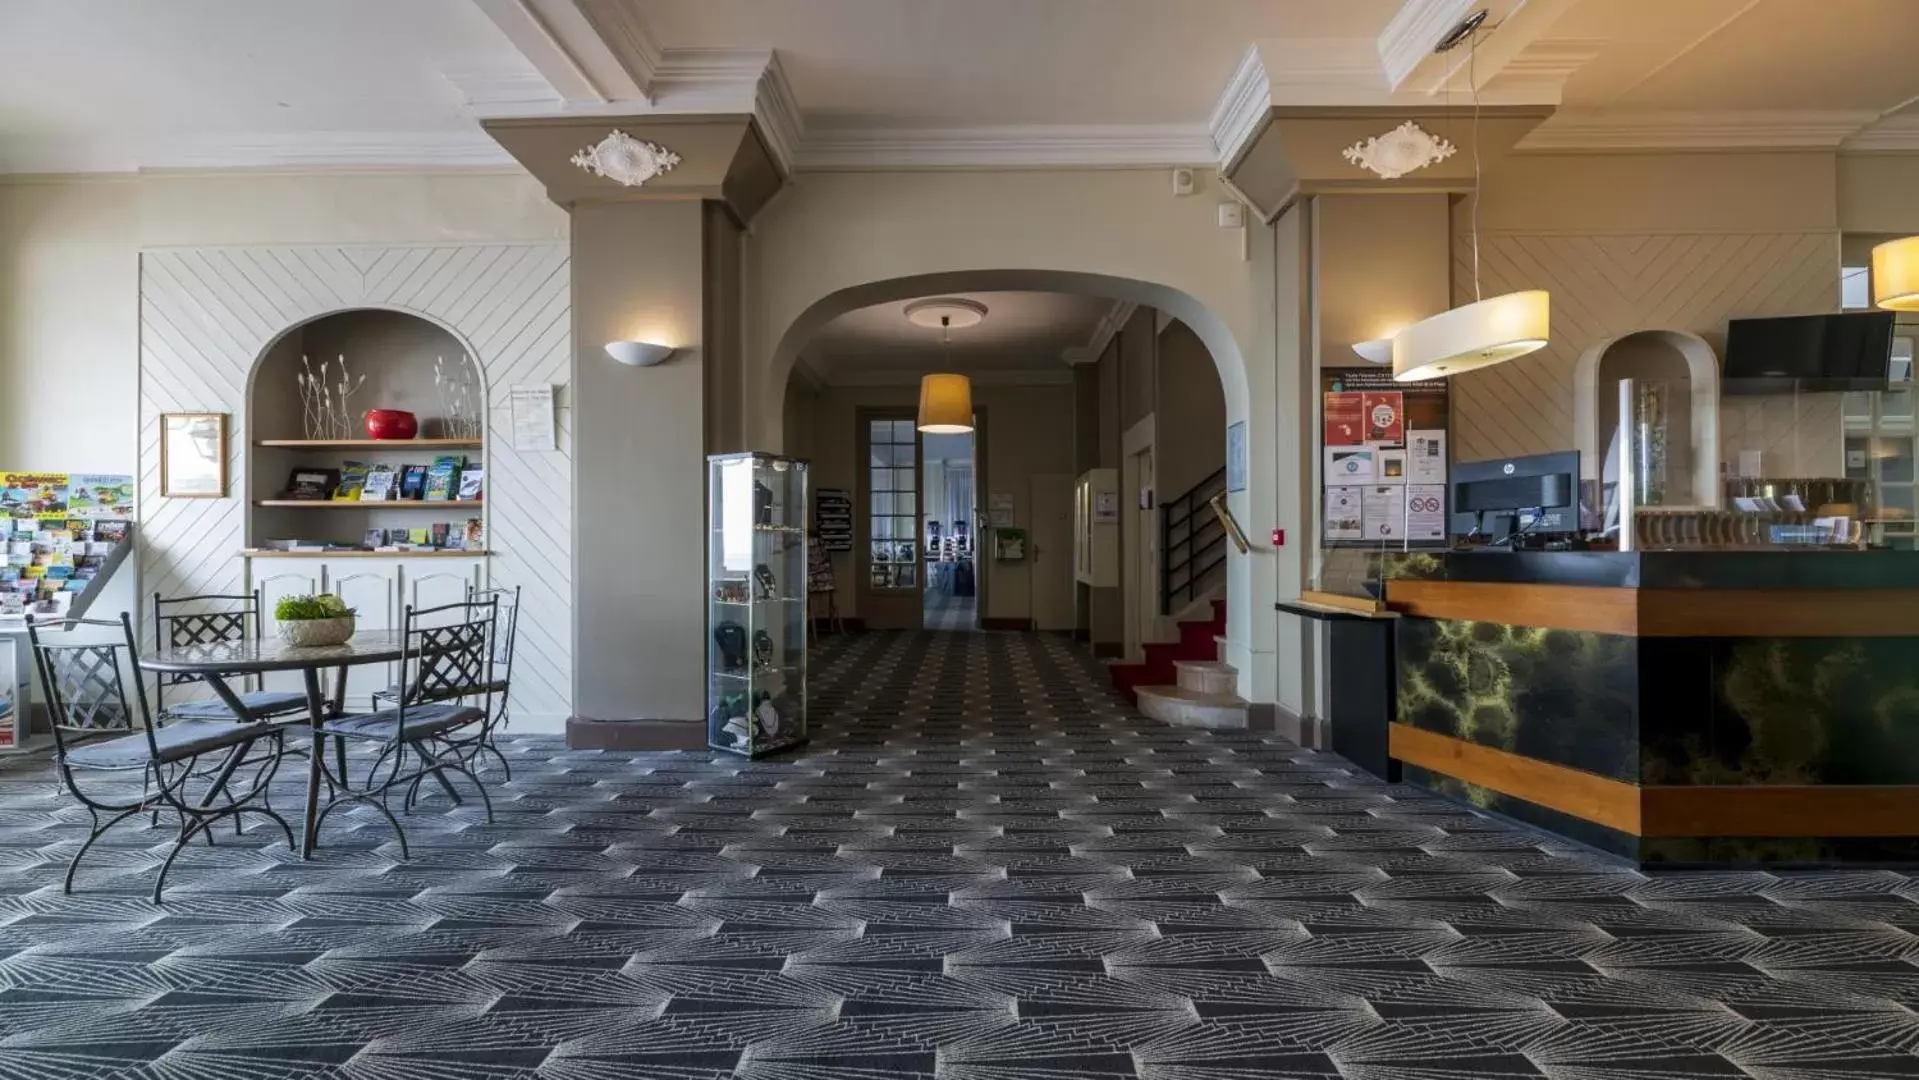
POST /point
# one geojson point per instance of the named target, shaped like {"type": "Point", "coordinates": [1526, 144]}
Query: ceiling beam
{"type": "Point", "coordinates": [1513, 32]}
{"type": "Point", "coordinates": [565, 46]}
{"type": "Point", "coordinates": [1409, 39]}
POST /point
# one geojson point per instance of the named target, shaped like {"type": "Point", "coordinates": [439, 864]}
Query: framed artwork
{"type": "Point", "coordinates": [193, 455]}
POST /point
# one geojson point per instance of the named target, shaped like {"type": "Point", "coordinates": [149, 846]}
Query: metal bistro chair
{"type": "Point", "coordinates": [468, 744]}
{"type": "Point", "coordinates": [83, 672]}
{"type": "Point", "coordinates": [446, 657]}
{"type": "Point", "coordinates": [184, 621]}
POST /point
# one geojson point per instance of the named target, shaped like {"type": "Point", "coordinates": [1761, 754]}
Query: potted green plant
{"type": "Point", "coordinates": [311, 621]}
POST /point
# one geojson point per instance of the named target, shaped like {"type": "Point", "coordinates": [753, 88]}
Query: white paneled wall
{"type": "Point", "coordinates": [1606, 285]}
{"type": "Point", "coordinates": [206, 316]}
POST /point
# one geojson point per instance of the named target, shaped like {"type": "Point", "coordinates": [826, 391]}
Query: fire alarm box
{"type": "Point", "coordinates": [1096, 529]}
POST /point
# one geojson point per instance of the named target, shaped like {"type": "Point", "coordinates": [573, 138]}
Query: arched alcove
{"type": "Point", "coordinates": [1690, 368]}
{"type": "Point", "coordinates": [1212, 331]}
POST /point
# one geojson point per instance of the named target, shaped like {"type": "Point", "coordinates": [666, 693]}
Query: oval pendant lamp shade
{"type": "Point", "coordinates": [1895, 274]}
{"type": "Point", "coordinates": [946, 404]}
{"type": "Point", "coordinates": [1477, 335]}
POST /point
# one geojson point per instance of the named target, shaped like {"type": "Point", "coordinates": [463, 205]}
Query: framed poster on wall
{"type": "Point", "coordinates": [1236, 456]}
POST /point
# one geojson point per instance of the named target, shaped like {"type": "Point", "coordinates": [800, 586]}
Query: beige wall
{"type": "Point", "coordinates": [640, 482]}
{"type": "Point", "coordinates": [1024, 438]}
{"type": "Point", "coordinates": [1634, 242]}
{"type": "Point", "coordinates": [69, 273]}
{"type": "Point", "coordinates": [1138, 384]}
{"type": "Point", "coordinates": [1190, 421]}
{"type": "Point", "coordinates": [1878, 193]}
{"type": "Point", "coordinates": [1382, 263]}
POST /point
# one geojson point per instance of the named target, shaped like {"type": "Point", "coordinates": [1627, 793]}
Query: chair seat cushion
{"type": "Point", "coordinates": [258, 703]}
{"type": "Point", "coordinates": [497, 686]}
{"type": "Point", "coordinates": [421, 721]}
{"type": "Point", "coordinates": [177, 741]}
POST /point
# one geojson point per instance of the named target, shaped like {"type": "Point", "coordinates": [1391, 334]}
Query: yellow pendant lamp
{"type": "Point", "coordinates": [946, 399]}
{"type": "Point", "coordinates": [946, 404]}
{"type": "Point", "coordinates": [1895, 274]}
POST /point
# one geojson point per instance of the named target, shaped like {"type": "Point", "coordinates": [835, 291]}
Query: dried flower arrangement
{"type": "Point", "coordinates": [324, 409]}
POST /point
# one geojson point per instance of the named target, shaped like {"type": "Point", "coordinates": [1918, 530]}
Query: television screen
{"type": "Point", "coordinates": [1836, 352]}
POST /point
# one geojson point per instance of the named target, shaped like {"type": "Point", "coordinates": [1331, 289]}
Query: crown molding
{"type": "Point", "coordinates": [1242, 107]}
{"type": "Point", "coordinates": [1893, 135]}
{"type": "Point", "coordinates": [487, 87]}
{"type": "Point", "coordinates": [626, 36]}
{"type": "Point", "coordinates": [1413, 31]}
{"type": "Point", "coordinates": [1118, 315]}
{"type": "Point", "coordinates": [1540, 71]}
{"type": "Point", "coordinates": [1695, 131]}
{"type": "Point", "coordinates": [1025, 146]}
{"type": "Point", "coordinates": [301, 151]}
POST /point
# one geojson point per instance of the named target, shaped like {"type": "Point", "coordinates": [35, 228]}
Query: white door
{"type": "Point", "coordinates": [1050, 549]}
{"type": "Point", "coordinates": [371, 587]}
{"type": "Point", "coordinates": [276, 580]}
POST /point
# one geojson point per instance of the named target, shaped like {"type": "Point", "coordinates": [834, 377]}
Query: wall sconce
{"type": "Point", "coordinates": [1376, 351]}
{"type": "Point", "coordinates": [639, 353]}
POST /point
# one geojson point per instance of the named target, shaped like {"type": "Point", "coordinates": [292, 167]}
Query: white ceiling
{"type": "Point", "coordinates": [1022, 336]}
{"type": "Point", "coordinates": [123, 84]}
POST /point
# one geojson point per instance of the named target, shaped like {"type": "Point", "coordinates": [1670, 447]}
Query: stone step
{"type": "Point", "coordinates": [1207, 676]}
{"type": "Point", "coordinates": [1189, 708]}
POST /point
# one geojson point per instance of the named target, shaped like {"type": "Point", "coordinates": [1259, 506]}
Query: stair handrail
{"type": "Point", "coordinates": [1189, 533]}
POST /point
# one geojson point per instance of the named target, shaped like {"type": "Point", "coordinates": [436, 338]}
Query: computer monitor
{"type": "Point", "coordinates": [1503, 499]}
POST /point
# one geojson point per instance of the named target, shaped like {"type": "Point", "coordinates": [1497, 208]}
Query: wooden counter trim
{"type": "Point", "coordinates": [1584, 795]}
{"type": "Point", "coordinates": [1554, 607]}
{"type": "Point", "coordinates": [1778, 613]}
{"type": "Point", "coordinates": [1771, 810]}
{"type": "Point", "coordinates": [1721, 613]}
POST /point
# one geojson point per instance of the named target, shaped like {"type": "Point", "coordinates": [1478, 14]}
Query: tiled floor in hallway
{"type": "Point", "coordinates": [986, 867]}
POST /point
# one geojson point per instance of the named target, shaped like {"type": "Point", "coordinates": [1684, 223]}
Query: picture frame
{"type": "Point", "coordinates": [193, 455]}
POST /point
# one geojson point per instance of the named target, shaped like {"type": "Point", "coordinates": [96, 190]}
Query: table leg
{"type": "Point", "coordinates": [316, 714]}
{"type": "Point", "coordinates": [238, 753]}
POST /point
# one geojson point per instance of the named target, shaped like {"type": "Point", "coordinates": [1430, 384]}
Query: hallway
{"type": "Point", "coordinates": [986, 866]}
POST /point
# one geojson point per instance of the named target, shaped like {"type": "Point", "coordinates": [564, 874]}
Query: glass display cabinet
{"type": "Point", "coordinates": [756, 603]}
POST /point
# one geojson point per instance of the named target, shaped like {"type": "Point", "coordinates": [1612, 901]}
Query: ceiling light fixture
{"type": "Point", "coordinates": [1486, 331]}
{"type": "Point", "coordinates": [946, 399]}
{"type": "Point", "coordinates": [1895, 274]}
{"type": "Point", "coordinates": [1376, 351]}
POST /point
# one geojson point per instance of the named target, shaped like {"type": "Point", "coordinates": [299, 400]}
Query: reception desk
{"type": "Point", "coordinates": [1669, 707]}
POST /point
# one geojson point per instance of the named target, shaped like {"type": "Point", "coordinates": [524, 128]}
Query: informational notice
{"type": "Point", "coordinates": [1384, 508]}
{"type": "Point", "coordinates": [1345, 464]}
{"type": "Point", "coordinates": [533, 418]}
{"type": "Point", "coordinates": [1425, 513]}
{"type": "Point", "coordinates": [1344, 515]}
{"type": "Point", "coordinates": [1425, 457]}
{"type": "Point", "coordinates": [1385, 413]}
{"type": "Point", "coordinates": [1344, 419]}
{"type": "Point", "coordinates": [1389, 466]}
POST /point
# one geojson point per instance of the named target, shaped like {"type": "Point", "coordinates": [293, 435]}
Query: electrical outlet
{"type": "Point", "coordinates": [1231, 215]}
{"type": "Point", "coordinates": [1182, 181]}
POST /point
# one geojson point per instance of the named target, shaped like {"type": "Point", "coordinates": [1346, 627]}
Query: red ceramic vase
{"type": "Point", "coordinates": [391, 424]}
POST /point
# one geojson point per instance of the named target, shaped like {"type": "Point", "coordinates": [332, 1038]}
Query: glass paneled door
{"type": "Point", "coordinates": [893, 566]}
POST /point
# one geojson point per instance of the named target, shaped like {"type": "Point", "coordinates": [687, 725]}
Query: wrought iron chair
{"type": "Point", "coordinates": [211, 619]}
{"type": "Point", "coordinates": [84, 670]}
{"type": "Point", "coordinates": [446, 659]}
{"type": "Point", "coordinates": [467, 744]}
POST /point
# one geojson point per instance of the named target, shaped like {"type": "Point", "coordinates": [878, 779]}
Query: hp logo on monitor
{"type": "Point", "coordinates": [1507, 468]}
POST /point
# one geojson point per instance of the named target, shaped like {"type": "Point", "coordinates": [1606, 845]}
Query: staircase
{"type": "Point", "coordinates": [1184, 681]}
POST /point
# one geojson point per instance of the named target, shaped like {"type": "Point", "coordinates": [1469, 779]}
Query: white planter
{"type": "Point", "coordinates": [311, 633]}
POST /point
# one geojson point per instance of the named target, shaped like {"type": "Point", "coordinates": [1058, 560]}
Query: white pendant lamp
{"type": "Point", "coordinates": [1895, 274]}
{"type": "Point", "coordinates": [1481, 334]}
{"type": "Point", "coordinates": [1487, 331]}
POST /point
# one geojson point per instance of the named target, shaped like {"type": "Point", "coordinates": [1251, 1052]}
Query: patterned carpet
{"type": "Point", "coordinates": [985, 868]}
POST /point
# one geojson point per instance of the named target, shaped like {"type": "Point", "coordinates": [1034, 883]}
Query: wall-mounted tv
{"type": "Point", "coordinates": [1852, 351]}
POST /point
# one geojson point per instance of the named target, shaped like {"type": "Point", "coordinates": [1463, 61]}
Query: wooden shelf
{"type": "Point", "coordinates": [267, 553]}
{"type": "Point", "coordinates": [372, 444]}
{"type": "Point", "coordinates": [355, 504]}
